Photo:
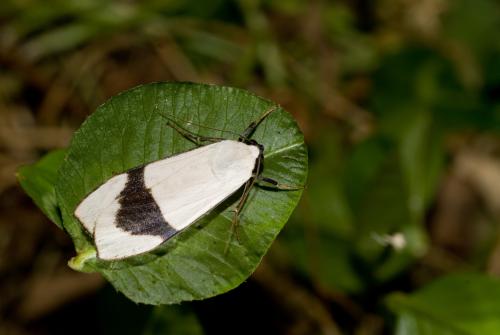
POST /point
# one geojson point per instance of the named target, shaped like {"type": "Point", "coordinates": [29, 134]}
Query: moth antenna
{"type": "Point", "coordinates": [176, 120]}
{"type": "Point", "coordinates": [251, 128]}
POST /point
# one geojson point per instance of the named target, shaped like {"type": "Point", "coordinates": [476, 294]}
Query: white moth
{"type": "Point", "coordinates": [136, 211]}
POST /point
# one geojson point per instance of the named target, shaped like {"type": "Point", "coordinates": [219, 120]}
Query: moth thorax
{"type": "Point", "coordinates": [233, 157]}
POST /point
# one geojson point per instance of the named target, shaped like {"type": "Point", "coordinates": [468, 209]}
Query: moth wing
{"type": "Point", "coordinates": [199, 180]}
{"type": "Point", "coordinates": [112, 242]}
{"type": "Point", "coordinates": [99, 201]}
{"type": "Point", "coordinates": [98, 212]}
{"type": "Point", "coordinates": [184, 187]}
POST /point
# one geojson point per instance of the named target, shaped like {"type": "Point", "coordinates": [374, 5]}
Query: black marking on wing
{"type": "Point", "coordinates": [139, 213]}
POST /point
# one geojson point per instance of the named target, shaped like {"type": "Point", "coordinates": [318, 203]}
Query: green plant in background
{"type": "Point", "coordinates": [389, 93]}
{"type": "Point", "coordinates": [456, 304]}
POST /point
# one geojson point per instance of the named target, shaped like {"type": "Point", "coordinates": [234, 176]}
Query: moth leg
{"type": "Point", "coordinates": [236, 216]}
{"type": "Point", "coordinates": [196, 139]}
{"type": "Point", "coordinates": [277, 185]}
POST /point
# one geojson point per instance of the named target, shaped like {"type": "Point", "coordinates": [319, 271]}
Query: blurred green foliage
{"type": "Point", "coordinates": [389, 93]}
{"type": "Point", "coordinates": [457, 304]}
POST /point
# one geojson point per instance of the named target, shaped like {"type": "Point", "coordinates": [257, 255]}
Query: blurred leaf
{"type": "Point", "coordinates": [472, 23]}
{"type": "Point", "coordinates": [210, 45]}
{"type": "Point", "coordinates": [362, 167]}
{"type": "Point", "coordinates": [407, 324]}
{"type": "Point", "coordinates": [335, 265]}
{"type": "Point", "coordinates": [32, 17]}
{"type": "Point", "coordinates": [319, 253]}
{"type": "Point", "coordinates": [356, 51]}
{"type": "Point", "coordinates": [373, 180]}
{"type": "Point", "coordinates": [38, 181]}
{"type": "Point", "coordinates": [382, 209]}
{"type": "Point", "coordinates": [128, 131]}
{"type": "Point", "coordinates": [328, 206]}
{"type": "Point", "coordinates": [422, 160]}
{"type": "Point", "coordinates": [339, 20]}
{"type": "Point", "coordinates": [349, 202]}
{"type": "Point", "coordinates": [267, 50]}
{"type": "Point", "coordinates": [416, 80]}
{"type": "Point", "coordinates": [58, 40]}
{"type": "Point", "coordinates": [379, 199]}
{"type": "Point", "coordinates": [456, 304]}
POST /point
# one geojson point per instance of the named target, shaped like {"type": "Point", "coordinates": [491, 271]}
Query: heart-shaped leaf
{"type": "Point", "coordinates": [130, 130]}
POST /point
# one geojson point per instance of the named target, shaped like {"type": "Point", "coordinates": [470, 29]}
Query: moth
{"type": "Point", "coordinates": [136, 211]}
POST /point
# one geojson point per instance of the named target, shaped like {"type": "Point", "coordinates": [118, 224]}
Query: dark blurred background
{"type": "Point", "coordinates": [399, 104]}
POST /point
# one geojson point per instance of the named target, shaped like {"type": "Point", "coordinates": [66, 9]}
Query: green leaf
{"type": "Point", "coordinates": [407, 324]}
{"type": "Point", "coordinates": [422, 160]}
{"type": "Point", "coordinates": [464, 304]}
{"type": "Point", "coordinates": [471, 23]}
{"type": "Point", "coordinates": [373, 181]}
{"type": "Point", "coordinates": [328, 206]}
{"type": "Point", "coordinates": [128, 131]}
{"type": "Point", "coordinates": [38, 181]}
{"type": "Point", "coordinates": [59, 40]}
